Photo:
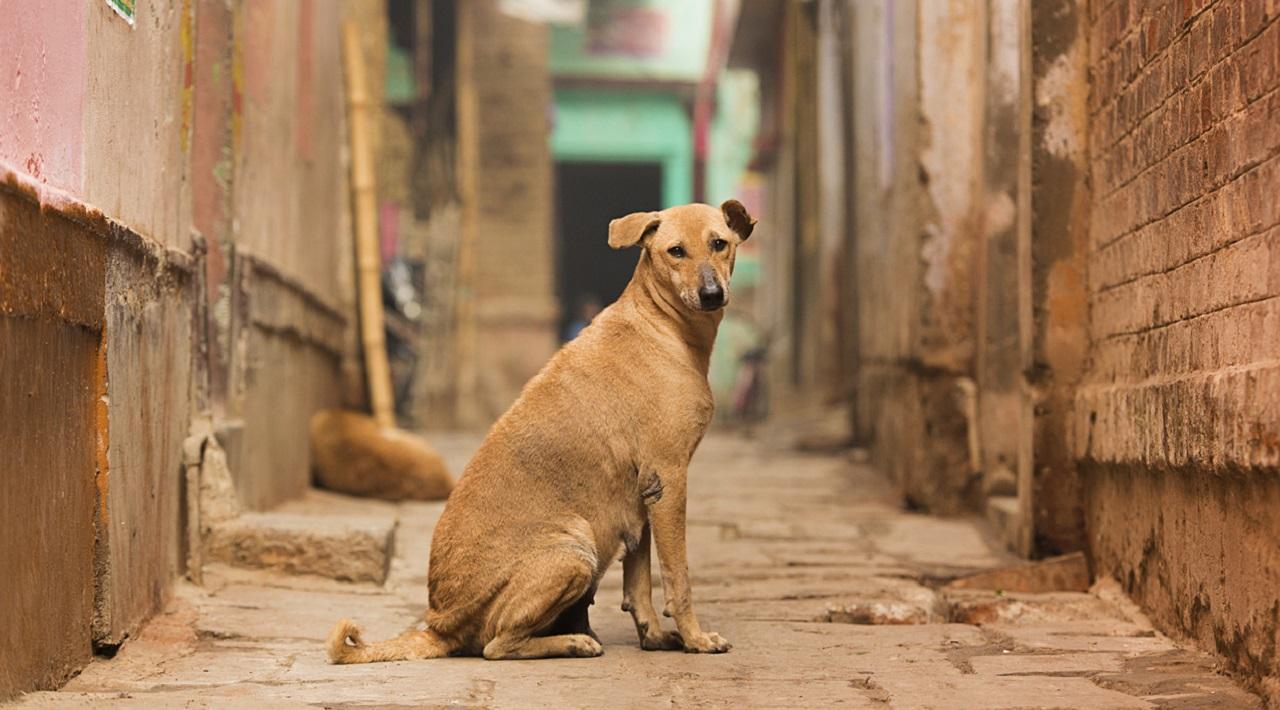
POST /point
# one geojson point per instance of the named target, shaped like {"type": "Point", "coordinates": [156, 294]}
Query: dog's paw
{"type": "Point", "coordinates": [709, 642]}
{"type": "Point", "coordinates": [583, 646]}
{"type": "Point", "coordinates": [662, 641]}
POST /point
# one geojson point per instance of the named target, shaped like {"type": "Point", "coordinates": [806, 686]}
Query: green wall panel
{"type": "Point", "coordinates": [627, 126]}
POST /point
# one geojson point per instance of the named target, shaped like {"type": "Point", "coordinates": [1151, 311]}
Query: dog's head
{"type": "Point", "coordinates": [690, 249]}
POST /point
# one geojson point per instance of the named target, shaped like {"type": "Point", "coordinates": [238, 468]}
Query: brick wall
{"type": "Point", "coordinates": [1179, 412]}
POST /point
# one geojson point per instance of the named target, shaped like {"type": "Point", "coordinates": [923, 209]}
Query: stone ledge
{"type": "Point", "coordinates": [348, 548]}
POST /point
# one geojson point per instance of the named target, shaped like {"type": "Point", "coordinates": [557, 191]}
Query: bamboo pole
{"type": "Point", "coordinates": [368, 260]}
{"type": "Point", "coordinates": [466, 410]}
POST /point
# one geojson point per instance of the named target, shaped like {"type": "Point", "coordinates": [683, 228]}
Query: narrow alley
{"type": "Point", "coordinates": [973, 304]}
{"type": "Point", "coordinates": [830, 593]}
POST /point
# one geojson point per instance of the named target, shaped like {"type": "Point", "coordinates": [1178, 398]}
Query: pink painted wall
{"type": "Point", "coordinates": [43, 69]}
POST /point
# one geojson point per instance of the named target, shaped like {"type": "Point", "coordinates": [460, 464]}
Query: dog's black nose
{"type": "Point", "coordinates": [711, 295]}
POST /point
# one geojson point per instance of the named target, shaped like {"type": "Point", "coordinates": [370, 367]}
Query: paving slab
{"type": "Point", "coordinates": [802, 561]}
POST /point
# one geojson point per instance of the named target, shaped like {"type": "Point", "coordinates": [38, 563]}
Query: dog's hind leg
{"type": "Point", "coordinates": [540, 591]}
{"type": "Point", "coordinates": [575, 619]}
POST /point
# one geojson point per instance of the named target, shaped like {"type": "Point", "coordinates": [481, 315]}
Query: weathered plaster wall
{"type": "Point", "coordinates": [50, 424]}
{"type": "Point", "coordinates": [133, 167]}
{"type": "Point", "coordinates": [805, 318]}
{"type": "Point", "coordinates": [832, 276]}
{"type": "Point", "coordinates": [122, 86]}
{"type": "Point", "coordinates": [952, 46]}
{"type": "Point", "coordinates": [136, 133]}
{"type": "Point", "coordinates": [137, 115]}
{"type": "Point", "coordinates": [1003, 415]}
{"type": "Point", "coordinates": [507, 264]}
{"type": "Point", "coordinates": [1179, 411]}
{"type": "Point", "coordinates": [148, 363]}
{"type": "Point", "coordinates": [279, 305]}
{"type": "Point", "coordinates": [287, 134]}
{"type": "Point", "coordinates": [211, 171]}
{"type": "Point", "coordinates": [43, 68]}
{"type": "Point", "coordinates": [292, 343]}
{"type": "Point", "coordinates": [886, 188]}
{"type": "Point", "coordinates": [130, 298]}
{"type": "Point", "coordinates": [1059, 247]}
{"type": "Point", "coordinates": [919, 164]}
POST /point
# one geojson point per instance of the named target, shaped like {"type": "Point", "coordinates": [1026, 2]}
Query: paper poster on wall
{"type": "Point", "coordinates": [124, 8]}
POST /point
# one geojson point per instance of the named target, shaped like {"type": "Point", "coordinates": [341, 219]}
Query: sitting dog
{"type": "Point", "coordinates": [590, 460]}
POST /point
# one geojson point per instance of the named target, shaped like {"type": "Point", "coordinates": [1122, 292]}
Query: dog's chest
{"type": "Point", "coordinates": [677, 411]}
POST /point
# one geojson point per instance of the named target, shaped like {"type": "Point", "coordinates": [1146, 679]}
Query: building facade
{"type": "Point", "coordinates": [1052, 226]}
{"type": "Point", "coordinates": [174, 256]}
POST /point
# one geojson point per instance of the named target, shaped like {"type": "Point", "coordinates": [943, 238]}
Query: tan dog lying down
{"type": "Point", "coordinates": [589, 460]}
{"type": "Point", "coordinates": [351, 454]}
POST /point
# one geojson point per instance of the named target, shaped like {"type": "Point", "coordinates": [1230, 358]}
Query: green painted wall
{"type": "Point", "coordinates": [731, 143]}
{"type": "Point", "coordinates": [730, 148]}
{"type": "Point", "coordinates": [610, 125]}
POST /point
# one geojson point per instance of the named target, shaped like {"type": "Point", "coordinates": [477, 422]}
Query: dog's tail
{"type": "Point", "coordinates": [345, 645]}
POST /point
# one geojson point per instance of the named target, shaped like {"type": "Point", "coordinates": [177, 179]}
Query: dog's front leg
{"type": "Point", "coordinates": [637, 598]}
{"type": "Point", "coordinates": [667, 516]}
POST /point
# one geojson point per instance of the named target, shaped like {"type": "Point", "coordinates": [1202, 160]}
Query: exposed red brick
{"type": "Point", "coordinates": [1180, 404]}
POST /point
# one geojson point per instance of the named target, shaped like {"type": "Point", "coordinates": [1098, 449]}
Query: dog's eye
{"type": "Point", "coordinates": [718, 244]}
{"type": "Point", "coordinates": [676, 251]}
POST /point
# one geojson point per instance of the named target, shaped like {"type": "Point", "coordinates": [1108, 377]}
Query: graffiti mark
{"type": "Point", "coordinates": [35, 166]}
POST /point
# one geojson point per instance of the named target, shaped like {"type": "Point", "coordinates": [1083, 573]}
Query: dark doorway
{"type": "Point", "coordinates": [589, 195]}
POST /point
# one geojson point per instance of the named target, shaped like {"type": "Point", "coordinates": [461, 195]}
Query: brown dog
{"type": "Point", "coordinates": [590, 459]}
{"type": "Point", "coordinates": [351, 454]}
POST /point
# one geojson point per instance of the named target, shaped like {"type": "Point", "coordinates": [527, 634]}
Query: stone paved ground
{"type": "Point", "coordinates": [781, 544]}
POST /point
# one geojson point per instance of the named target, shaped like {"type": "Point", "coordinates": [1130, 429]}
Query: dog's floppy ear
{"type": "Point", "coordinates": [735, 215]}
{"type": "Point", "coordinates": [628, 231]}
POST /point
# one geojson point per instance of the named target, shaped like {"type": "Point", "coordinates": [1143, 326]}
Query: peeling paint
{"type": "Point", "coordinates": [1062, 135]}
{"type": "Point", "coordinates": [107, 257]}
{"type": "Point", "coordinates": [43, 75]}
{"type": "Point", "coordinates": [1060, 227]}
{"type": "Point", "coordinates": [952, 65]}
{"type": "Point", "coordinates": [103, 435]}
{"type": "Point", "coordinates": [237, 77]}
{"type": "Point", "coordinates": [188, 71]}
{"type": "Point", "coordinates": [222, 170]}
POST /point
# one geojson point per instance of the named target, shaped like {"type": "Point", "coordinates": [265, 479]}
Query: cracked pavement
{"type": "Point", "coordinates": [782, 548]}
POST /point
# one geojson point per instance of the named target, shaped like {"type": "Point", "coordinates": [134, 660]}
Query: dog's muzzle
{"type": "Point", "coordinates": [710, 292]}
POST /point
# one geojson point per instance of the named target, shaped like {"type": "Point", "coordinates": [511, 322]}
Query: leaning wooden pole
{"type": "Point", "coordinates": [368, 260]}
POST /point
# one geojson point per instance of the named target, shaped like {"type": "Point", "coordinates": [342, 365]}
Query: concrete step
{"type": "Point", "coordinates": [1005, 518]}
{"type": "Point", "coordinates": [320, 534]}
